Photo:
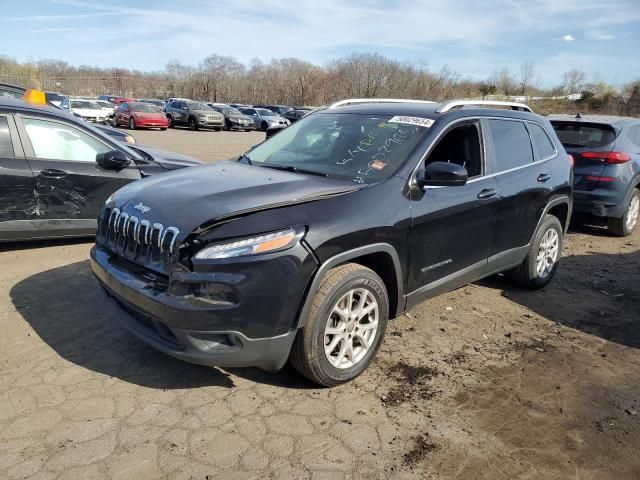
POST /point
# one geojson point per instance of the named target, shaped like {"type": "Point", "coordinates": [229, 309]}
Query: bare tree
{"type": "Point", "coordinates": [573, 81]}
{"type": "Point", "coordinates": [527, 76]}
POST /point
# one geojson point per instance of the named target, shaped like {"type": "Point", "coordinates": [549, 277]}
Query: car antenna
{"type": "Point", "coordinates": [578, 116]}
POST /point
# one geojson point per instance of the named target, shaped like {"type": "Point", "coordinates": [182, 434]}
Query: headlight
{"type": "Point", "coordinates": [109, 198]}
{"type": "Point", "coordinates": [269, 242]}
{"type": "Point", "coordinates": [129, 139]}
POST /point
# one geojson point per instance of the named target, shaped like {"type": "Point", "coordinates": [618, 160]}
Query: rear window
{"type": "Point", "coordinates": [587, 135]}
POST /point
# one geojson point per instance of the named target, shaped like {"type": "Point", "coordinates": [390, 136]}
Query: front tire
{"type": "Point", "coordinates": [264, 126]}
{"type": "Point", "coordinates": [345, 328]}
{"type": "Point", "coordinates": [624, 226]}
{"type": "Point", "coordinates": [132, 124]}
{"type": "Point", "coordinates": [543, 257]}
{"type": "Point", "coordinates": [170, 121]}
{"type": "Point", "coordinates": [193, 125]}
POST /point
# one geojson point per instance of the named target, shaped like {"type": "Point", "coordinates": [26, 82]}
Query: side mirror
{"type": "Point", "coordinates": [112, 160]}
{"type": "Point", "coordinates": [442, 174]}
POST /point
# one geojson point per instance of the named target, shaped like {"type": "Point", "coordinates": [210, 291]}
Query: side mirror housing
{"type": "Point", "coordinates": [442, 174]}
{"type": "Point", "coordinates": [112, 160]}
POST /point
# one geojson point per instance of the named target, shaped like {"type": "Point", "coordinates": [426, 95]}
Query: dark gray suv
{"type": "Point", "coordinates": [606, 151]}
{"type": "Point", "coordinates": [194, 115]}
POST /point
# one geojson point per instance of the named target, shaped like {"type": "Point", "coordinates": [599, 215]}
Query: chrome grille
{"type": "Point", "coordinates": [132, 237]}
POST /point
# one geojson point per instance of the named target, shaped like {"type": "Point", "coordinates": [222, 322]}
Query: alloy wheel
{"type": "Point", "coordinates": [547, 253]}
{"type": "Point", "coordinates": [351, 328]}
{"type": "Point", "coordinates": [632, 213]}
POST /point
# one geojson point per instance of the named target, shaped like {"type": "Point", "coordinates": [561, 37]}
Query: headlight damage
{"type": "Point", "coordinates": [266, 243]}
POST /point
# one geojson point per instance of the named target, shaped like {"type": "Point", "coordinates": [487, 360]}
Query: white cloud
{"type": "Point", "coordinates": [567, 38]}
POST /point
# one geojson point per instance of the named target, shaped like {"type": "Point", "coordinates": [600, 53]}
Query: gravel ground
{"type": "Point", "coordinates": [488, 381]}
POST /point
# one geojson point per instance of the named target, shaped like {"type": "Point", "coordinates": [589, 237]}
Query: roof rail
{"type": "Point", "coordinates": [451, 104]}
{"type": "Point", "coordinates": [353, 101]}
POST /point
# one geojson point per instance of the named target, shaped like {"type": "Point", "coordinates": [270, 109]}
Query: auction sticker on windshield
{"type": "Point", "coordinates": [419, 121]}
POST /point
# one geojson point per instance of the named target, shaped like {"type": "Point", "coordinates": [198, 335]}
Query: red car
{"type": "Point", "coordinates": [140, 115]}
{"type": "Point", "coordinates": [119, 100]}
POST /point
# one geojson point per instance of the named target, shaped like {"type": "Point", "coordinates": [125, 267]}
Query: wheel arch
{"type": "Point", "coordinates": [382, 258]}
{"type": "Point", "coordinates": [560, 207]}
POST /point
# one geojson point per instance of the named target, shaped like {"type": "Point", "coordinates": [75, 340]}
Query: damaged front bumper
{"type": "Point", "coordinates": [230, 315]}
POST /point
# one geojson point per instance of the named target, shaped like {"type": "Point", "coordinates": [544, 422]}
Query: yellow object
{"type": "Point", "coordinates": [34, 96]}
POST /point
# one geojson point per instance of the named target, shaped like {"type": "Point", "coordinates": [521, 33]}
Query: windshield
{"type": "Point", "coordinates": [144, 107]}
{"type": "Point", "coordinates": [360, 148]}
{"type": "Point", "coordinates": [198, 106]}
{"type": "Point", "coordinates": [579, 134]}
{"type": "Point", "coordinates": [153, 102]}
{"type": "Point", "coordinates": [84, 104]}
{"type": "Point", "coordinates": [53, 97]}
{"type": "Point", "coordinates": [263, 112]}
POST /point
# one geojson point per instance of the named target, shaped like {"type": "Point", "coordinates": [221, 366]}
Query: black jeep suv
{"type": "Point", "coordinates": [306, 245]}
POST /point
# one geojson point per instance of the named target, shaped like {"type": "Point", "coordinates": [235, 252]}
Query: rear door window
{"type": "Point", "coordinates": [541, 140]}
{"type": "Point", "coordinates": [511, 144]}
{"type": "Point", "coordinates": [584, 135]}
{"type": "Point", "coordinates": [6, 146]}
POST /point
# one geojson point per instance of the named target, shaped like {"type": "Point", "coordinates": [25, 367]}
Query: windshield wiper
{"type": "Point", "coordinates": [245, 158]}
{"type": "Point", "coordinates": [291, 168]}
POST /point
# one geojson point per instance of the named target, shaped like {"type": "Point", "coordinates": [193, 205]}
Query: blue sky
{"type": "Point", "coordinates": [473, 37]}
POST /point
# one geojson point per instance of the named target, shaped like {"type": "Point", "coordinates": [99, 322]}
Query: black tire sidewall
{"type": "Point", "coordinates": [360, 279]}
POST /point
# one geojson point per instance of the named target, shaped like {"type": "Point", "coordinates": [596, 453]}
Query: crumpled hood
{"type": "Point", "coordinates": [191, 197]}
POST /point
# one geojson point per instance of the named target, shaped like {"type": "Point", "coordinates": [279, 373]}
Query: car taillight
{"type": "Point", "coordinates": [572, 162]}
{"type": "Point", "coordinates": [608, 157]}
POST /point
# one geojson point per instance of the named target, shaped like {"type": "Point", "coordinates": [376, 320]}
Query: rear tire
{"type": "Point", "coordinates": [339, 340]}
{"type": "Point", "coordinates": [625, 225]}
{"type": "Point", "coordinates": [543, 257]}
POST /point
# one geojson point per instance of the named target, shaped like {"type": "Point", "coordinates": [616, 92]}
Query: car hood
{"type": "Point", "coordinates": [199, 196]}
{"type": "Point", "coordinates": [88, 112]}
{"type": "Point", "coordinates": [150, 115]}
{"type": "Point", "coordinates": [207, 112]}
{"type": "Point", "coordinates": [169, 160]}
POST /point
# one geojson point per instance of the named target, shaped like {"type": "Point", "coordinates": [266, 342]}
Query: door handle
{"type": "Point", "coordinates": [53, 173]}
{"type": "Point", "coordinates": [543, 177]}
{"type": "Point", "coordinates": [487, 193]}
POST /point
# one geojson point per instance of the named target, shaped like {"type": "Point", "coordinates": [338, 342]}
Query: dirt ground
{"type": "Point", "coordinates": [486, 382]}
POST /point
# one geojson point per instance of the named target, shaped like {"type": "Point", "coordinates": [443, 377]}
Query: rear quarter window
{"type": "Point", "coordinates": [541, 140]}
{"type": "Point", "coordinates": [584, 135]}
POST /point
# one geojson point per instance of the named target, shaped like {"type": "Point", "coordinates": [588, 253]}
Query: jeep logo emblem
{"type": "Point", "coordinates": [142, 207]}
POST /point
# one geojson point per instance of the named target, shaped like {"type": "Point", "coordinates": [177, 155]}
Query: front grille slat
{"type": "Point", "coordinates": [136, 239]}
